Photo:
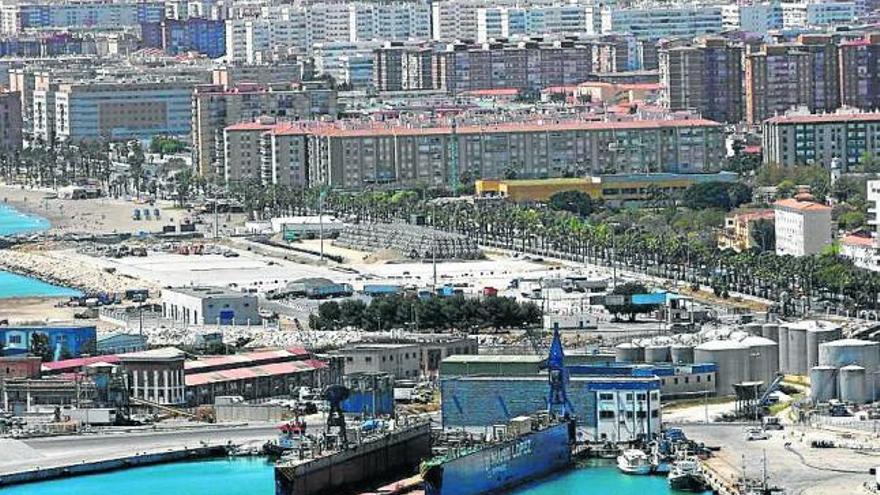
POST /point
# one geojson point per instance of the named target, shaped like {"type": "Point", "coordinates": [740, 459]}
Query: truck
{"type": "Point", "coordinates": [381, 289]}
{"type": "Point", "coordinates": [93, 416]}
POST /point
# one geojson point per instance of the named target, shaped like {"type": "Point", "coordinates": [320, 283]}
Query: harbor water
{"type": "Point", "coordinates": [242, 476]}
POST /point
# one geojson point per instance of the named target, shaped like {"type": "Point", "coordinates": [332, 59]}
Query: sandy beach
{"type": "Point", "coordinates": [94, 216]}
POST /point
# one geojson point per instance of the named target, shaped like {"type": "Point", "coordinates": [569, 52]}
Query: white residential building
{"type": "Point", "coordinates": [210, 306]}
{"type": "Point", "coordinates": [685, 20]}
{"type": "Point", "coordinates": [818, 13]}
{"type": "Point", "coordinates": [862, 250]}
{"type": "Point", "coordinates": [348, 63]}
{"type": "Point", "coordinates": [503, 22]}
{"type": "Point", "coordinates": [803, 228]}
{"type": "Point", "coordinates": [753, 18]}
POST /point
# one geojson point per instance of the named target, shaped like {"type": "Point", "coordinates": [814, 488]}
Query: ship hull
{"type": "Point", "coordinates": [690, 483]}
{"type": "Point", "coordinates": [507, 464]}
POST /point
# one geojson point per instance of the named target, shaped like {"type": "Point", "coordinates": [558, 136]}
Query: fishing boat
{"type": "Point", "coordinates": [634, 461]}
{"type": "Point", "coordinates": [687, 475]}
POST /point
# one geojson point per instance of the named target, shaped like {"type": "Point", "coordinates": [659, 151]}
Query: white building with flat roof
{"type": "Point", "coordinates": [210, 306]}
{"type": "Point", "coordinates": [666, 21]}
{"type": "Point", "coordinates": [802, 227]}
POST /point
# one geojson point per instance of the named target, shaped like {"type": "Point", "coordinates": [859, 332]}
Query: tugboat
{"type": "Point", "coordinates": [687, 475]}
{"type": "Point", "coordinates": [292, 436]}
{"type": "Point", "coordinates": [634, 461]}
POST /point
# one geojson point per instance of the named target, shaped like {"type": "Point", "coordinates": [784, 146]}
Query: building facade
{"type": "Point", "coordinates": [705, 77]}
{"type": "Point", "coordinates": [156, 376]}
{"type": "Point", "coordinates": [403, 361]}
{"type": "Point", "coordinates": [210, 306]}
{"type": "Point", "coordinates": [10, 122]}
{"type": "Point", "coordinates": [819, 139]}
{"type": "Point", "coordinates": [803, 228]}
{"type": "Point", "coordinates": [63, 341]}
{"type": "Point", "coordinates": [860, 72]}
{"type": "Point", "coordinates": [654, 22]}
{"type": "Point", "coordinates": [103, 14]}
{"type": "Point", "coordinates": [777, 79]}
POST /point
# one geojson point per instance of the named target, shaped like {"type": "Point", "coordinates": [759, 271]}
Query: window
{"type": "Point", "coordinates": [698, 378]}
{"type": "Point", "coordinates": [708, 378]}
{"type": "Point", "coordinates": [368, 359]}
{"type": "Point", "coordinates": [629, 396]}
{"type": "Point", "coordinates": [15, 339]}
{"type": "Point", "coordinates": [687, 379]}
{"type": "Point", "coordinates": [655, 413]}
{"type": "Point", "coordinates": [606, 414]}
{"type": "Point", "coordinates": [642, 396]}
{"type": "Point", "coordinates": [606, 396]}
{"type": "Point", "coordinates": [675, 381]}
{"type": "Point", "coordinates": [391, 358]}
{"type": "Point", "coordinates": [349, 359]}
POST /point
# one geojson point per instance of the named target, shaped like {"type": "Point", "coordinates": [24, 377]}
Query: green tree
{"type": "Point", "coordinates": [724, 195]}
{"type": "Point", "coordinates": [763, 233]}
{"type": "Point", "coordinates": [41, 347]}
{"type": "Point", "coordinates": [577, 202]}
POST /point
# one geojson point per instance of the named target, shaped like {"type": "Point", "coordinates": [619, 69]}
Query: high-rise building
{"type": "Point", "coordinates": [860, 72]}
{"type": "Point", "coordinates": [705, 77]}
{"type": "Point", "coordinates": [18, 15]}
{"type": "Point", "coordinates": [802, 227]}
{"type": "Point", "coordinates": [654, 22]}
{"type": "Point", "coordinates": [216, 107]}
{"type": "Point", "coordinates": [405, 68]}
{"type": "Point", "coordinates": [268, 153]}
{"type": "Point", "coordinates": [777, 79]}
{"type": "Point", "coordinates": [10, 122]}
{"type": "Point", "coordinates": [824, 72]}
{"type": "Point", "coordinates": [191, 35]}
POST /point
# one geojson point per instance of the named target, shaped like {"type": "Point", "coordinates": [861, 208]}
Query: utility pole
{"type": "Point", "coordinates": [434, 242]}
{"type": "Point", "coordinates": [321, 195]}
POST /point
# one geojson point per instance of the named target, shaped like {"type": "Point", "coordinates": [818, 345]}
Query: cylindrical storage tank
{"type": "Point", "coordinates": [754, 329]}
{"type": "Point", "coordinates": [628, 353]}
{"type": "Point", "coordinates": [770, 331]}
{"type": "Point", "coordinates": [657, 354]}
{"type": "Point", "coordinates": [797, 350]}
{"type": "Point", "coordinates": [864, 353]}
{"type": "Point", "coordinates": [851, 384]}
{"type": "Point", "coordinates": [819, 335]}
{"type": "Point", "coordinates": [783, 348]}
{"type": "Point", "coordinates": [823, 383]}
{"type": "Point", "coordinates": [682, 354]}
{"type": "Point", "coordinates": [763, 359]}
{"type": "Point", "coordinates": [732, 359]}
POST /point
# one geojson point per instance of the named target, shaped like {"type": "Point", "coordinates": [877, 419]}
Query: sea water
{"type": "Point", "coordinates": [13, 221]}
{"type": "Point", "coordinates": [241, 476]}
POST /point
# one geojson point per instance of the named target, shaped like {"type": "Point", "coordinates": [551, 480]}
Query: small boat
{"type": "Point", "coordinates": [633, 461]}
{"type": "Point", "coordinates": [607, 451]}
{"type": "Point", "coordinates": [687, 475]}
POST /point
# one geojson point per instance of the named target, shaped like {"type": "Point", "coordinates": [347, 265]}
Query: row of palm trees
{"type": "Point", "coordinates": [660, 250]}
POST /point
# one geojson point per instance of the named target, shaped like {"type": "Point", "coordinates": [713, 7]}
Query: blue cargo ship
{"type": "Point", "coordinates": [502, 465]}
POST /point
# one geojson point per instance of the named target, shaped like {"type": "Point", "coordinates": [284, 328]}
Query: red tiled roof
{"type": "Point", "coordinates": [857, 240]}
{"type": "Point", "coordinates": [825, 118]}
{"type": "Point", "coordinates": [275, 369]}
{"type": "Point", "coordinates": [492, 92]}
{"type": "Point", "coordinates": [801, 205]}
{"type": "Point", "coordinates": [752, 150]}
{"type": "Point", "coordinates": [72, 364]}
{"type": "Point", "coordinates": [249, 126]}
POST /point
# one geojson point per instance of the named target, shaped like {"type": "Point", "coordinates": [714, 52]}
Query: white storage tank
{"type": "Point", "coordinates": [851, 384]}
{"type": "Point", "coordinates": [844, 352]}
{"type": "Point", "coordinates": [819, 334]}
{"type": "Point", "coordinates": [783, 348]}
{"type": "Point", "coordinates": [657, 354]}
{"type": "Point", "coordinates": [732, 359]}
{"type": "Point", "coordinates": [763, 359]}
{"type": "Point", "coordinates": [770, 331]}
{"type": "Point", "coordinates": [682, 354]}
{"type": "Point", "coordinates": [823, 383]}
{"type": "Point", "coordinates": [628, 353]}
{"type": "Point", "coordinates": [797, 350]}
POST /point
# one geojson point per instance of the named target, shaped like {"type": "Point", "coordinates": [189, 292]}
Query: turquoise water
{"type": "Point", "coordinates": [13, 221]}
{"type": "Point", "coordinates": [13, 285]}
{"type": "Point", "coordinates": [255, 477]}
{"type": "Point", "coordinates": [218, 477]}
{"type": "Point", "coordinates": [599, 479]}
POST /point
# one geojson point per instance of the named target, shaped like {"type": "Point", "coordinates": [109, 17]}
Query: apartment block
{"type": "Point", "coordinates": [349, 64]}
{"type": "Point", "coordinates": [10, 122]}
{"type": "Point", "coordinates": [819, 139]}
{"type": "Point", "coordinates": [753, 17]}
{"type": "Point", "coordinates": [824, 77]}
{"type": "Point", "coordinates": [526, 65]}
{"type": "Point", "coordinates": [777, 78]}
{"type": "Point", "coordinates": [16, 16]}
{"type": "Point", "coordinates": [860, 72]}
{"type": "Point", "coordinates": [215, 107]}
{"type": "Point", "coordinates": [191, 35]}
{"type": "Point", "coordinates": [654, 22]}
{"type": "Point", "coordinates": [118, 110]}
{"type": "Point", "coordinates": [267, 153]}
{"type": "Point", "coordinates": [400, 68]}
{"type": "Point", "coordinates": [705, 77]}
{"type": "Point", "coordinates": [495, 22]}
{"type": "Point", "coordinates": [818, 13]}
{"type": "Point", "coordinates": [803, 227]}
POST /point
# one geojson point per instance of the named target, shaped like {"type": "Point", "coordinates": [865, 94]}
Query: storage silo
{"type": "Point", "coordinates": [844, 352]}
{"type": "Point", "coordinates": [797, 350]}
{"type": "Point", "coordinates": [763, 359]}
{"type": "Point", "coordinates": [851, 384]}
{"type": "Point", "coordinates": [823, 383]}
{"type": "Point", "coordinates": [819, 335]}
{"type": "Point", "coordinates": [732, 359]}
{"type": "Point", "coordinates": [783, 348]}
{"type": "Point", "coordinates": [770, 331]}
{"type": "Point", "coordinates": [754, 329]}
{"type": "Point", "coordinates": [628, 353]}
{"type": "Point", "coordinates": [682, 354]}
{"type": "Point", "coordinates": [657, 354]}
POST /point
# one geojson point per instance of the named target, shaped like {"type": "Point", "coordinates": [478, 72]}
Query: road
{"type": "Point", "coordinates": [800, 469]}
{"type": "Point", "coordinates": [20, 455]}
